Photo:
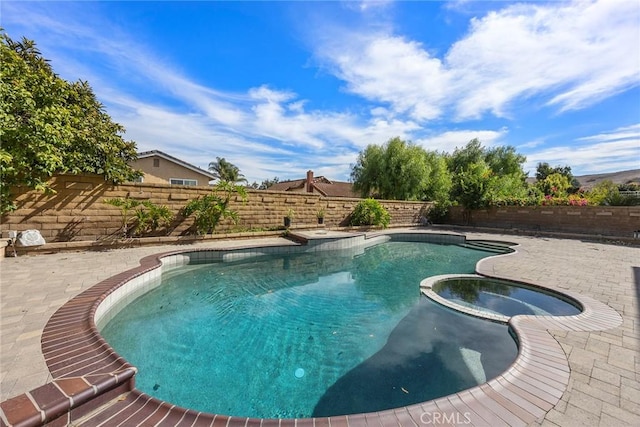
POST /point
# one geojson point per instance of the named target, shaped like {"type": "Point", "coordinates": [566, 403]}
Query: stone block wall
{"type": "Point", "coordinates": [590, 220]}
{"type": "Point", "coordinates": [77, 210]}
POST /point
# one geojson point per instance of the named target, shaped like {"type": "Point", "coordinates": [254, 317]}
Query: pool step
{"type": "Point", "coordinates": [495, 247]}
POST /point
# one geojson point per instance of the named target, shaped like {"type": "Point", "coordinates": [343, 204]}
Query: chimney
{"type": "Point", "coordinates": [309, 181]}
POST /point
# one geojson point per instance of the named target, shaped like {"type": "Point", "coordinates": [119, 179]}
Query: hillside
{"type": "Point", "coordinates": [621, 177]}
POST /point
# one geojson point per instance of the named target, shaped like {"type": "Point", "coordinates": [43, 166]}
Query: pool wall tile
{"type": "Point", "coordinates": [403, 417]}
{"type": "Point", "coordinates": [339, 421]}
{"type": "Point", "coordinates": [357, 420]}
{"type": "Point", "coordinates": [305, 422]}
{"type": "Point", "coordinates": [468, 415]}
{"type": "Point", "coordinates": [321, 422]}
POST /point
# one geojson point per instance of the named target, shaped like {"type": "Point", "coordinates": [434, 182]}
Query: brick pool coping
{"type": "Point", "coordinates": [85, 367]}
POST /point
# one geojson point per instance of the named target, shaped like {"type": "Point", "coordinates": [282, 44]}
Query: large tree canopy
{"type": "Point", "coordinates": [400, 170]}
{"type": "Point", "coordinates": [481, 175]}
{"type": "Point", "coordinates": [49, 126]}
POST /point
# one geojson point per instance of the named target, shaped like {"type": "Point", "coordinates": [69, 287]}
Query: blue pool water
{"type": "Point", "coordinates": [309, 334]}
{"type": "Point", "coordinates": [502, 297]}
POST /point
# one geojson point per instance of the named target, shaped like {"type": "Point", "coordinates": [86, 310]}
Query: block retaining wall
{"type": "Point", "coordinates": [586, 220]}
{"type": "Point", "coordinates": [77, 210]}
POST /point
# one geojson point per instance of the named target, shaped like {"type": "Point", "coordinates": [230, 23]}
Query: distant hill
{"type": "Point", "coordinates": [621, 177]}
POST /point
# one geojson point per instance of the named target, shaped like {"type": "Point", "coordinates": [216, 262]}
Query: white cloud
{"type": "Point", "coordinates": [571, 54]}
{"type": "Point", "coordinates": [450, 140]}
{"type": "Point", "coordinates": [368, 6]}
{"type": "Point", "coordinates": [265, 131]}
{"type": "Point", "coordinates": [618, 149]}
{"type": "Point", "coordinates": [531, 144]}
{"type": "Point", "coordinates": [517, 52]}
{"type": "Point", "coordinates": [630, 133]}
{"type": "Point", "coordinates": [390, 69]}
{"type": "Point", "coordinates": [581, 52]}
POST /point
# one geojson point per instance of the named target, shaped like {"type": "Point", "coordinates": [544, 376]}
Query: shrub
{"type": "Point", "coordinates": [630, 186]}
{"type": "Point", "coordinates": [571, 200]}
{"type": "Point", "coordinates": [209, 209]}
{"type": "Point", "coordinates": [437, 212]}
{"type": "Point", "coordinates": [617, 199]}
{"type": "Point", "coordinates": [370, 212]}
{"type": "Point", "coordinates": [148, 216]}
{"type": "Point", "coordinates": [126, 206]}
{"type": "Point", "coordinates": [607, 193]}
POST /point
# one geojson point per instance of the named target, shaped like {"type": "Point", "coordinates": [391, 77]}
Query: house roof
{"type": "Point", "coordinates": [152, 153]}
{"type": "Point", "coordinates": [321, 184]}
{"type": "Point", "coordinates": [287, 185]}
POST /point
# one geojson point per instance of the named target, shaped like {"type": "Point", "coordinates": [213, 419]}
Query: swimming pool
{"type": "Point", "coordinates": [311, 334]}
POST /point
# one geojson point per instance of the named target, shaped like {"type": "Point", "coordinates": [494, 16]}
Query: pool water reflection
{"type": "Point", "coordinates": [502, 297]}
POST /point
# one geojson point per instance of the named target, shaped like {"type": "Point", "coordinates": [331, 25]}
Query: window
{"type": "Point", "coordinates": [180, 181]}
{"type": "Point", "coordinates": [156, 163]}
{"type": "Point", "coordinates": [139, 179]}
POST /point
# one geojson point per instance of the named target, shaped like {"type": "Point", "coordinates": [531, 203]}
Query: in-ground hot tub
{"type": "Point", "coordinates": [505, 297]}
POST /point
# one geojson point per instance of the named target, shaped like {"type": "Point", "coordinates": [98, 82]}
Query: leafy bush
{"type": "Point", "coordinates": [572, 200]}
{"type": "Point", "coordinates": [437, 212]}
{"type": "Point", "coordinates": [618, 199]}
{"type": "Point", "coordinates": [608, 194]}
{"type": "Point", "coordinates": [209, 209]}
{"type": "Point", "coordinates": [555, 185]}
{"type": "Point", "coordinates": [370, 212]}
{"type": "Point", "coordinates": [148, 216]}
{"type": "Point", "coordinates": [630, 186]}
{"type": "Point", "coordinates": [602, 191]}
{"type": "Point", "coordinates": [126, 206]}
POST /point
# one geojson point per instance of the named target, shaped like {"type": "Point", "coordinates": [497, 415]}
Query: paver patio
{"type": "Point", "coordinates": [604, 386]}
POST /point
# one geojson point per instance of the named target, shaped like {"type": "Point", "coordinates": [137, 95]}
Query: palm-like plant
{"type": "Point", "coordinates": [126, 206]}
{"type": "Point", "coordinates": [209, 209]}
{"type": "Point", "coordinates": [147, 215]}
{"type": "Point", "coordinates": [226, 171]}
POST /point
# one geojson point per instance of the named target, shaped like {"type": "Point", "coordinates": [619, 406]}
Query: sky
{"type": "Point", "coordinates": [278, 88]}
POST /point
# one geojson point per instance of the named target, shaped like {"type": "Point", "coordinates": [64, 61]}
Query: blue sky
{"type": "Point", "coordinates": [278, 88]}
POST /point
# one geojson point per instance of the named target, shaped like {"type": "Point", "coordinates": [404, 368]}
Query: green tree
{"type": "Point", "coordinates": [226, 171]}
{"type": "Point", "coordinates": [543, 170]}
{"type": "Point", "coordinates": [480, 176]}
{"type": "Point", "coordinates": [368, 171]}
{"type": "Point", "coordinates": [50, 126]}
{"type": "Point", "coordinates": [463, 157]}
{"type": "Point", "coordinates": [438, 184]}
{"type": "Point", "coordinates": [399, 170]}
{"type": "Point", "coordinates": [471, 185]}
{"type": "Point", "coordinates": [504, 160]}
{"type": "Point", "coordinates": [268, 183]}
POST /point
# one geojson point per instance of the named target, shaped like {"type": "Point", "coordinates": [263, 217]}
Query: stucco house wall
{"type": "Point", "coordinates": [159, 168]}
